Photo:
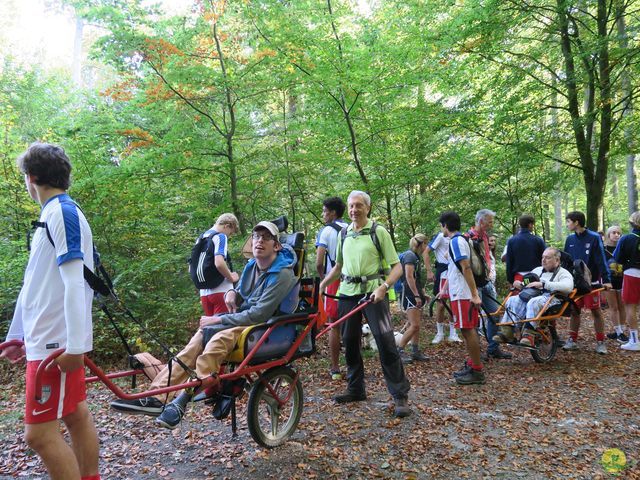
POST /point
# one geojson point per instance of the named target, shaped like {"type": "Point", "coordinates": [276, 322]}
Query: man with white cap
{"type": "Point", "coordinates": [266, 281]}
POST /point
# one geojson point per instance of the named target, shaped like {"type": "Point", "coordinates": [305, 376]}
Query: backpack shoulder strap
{"type": "Point", "coordinates": [451, 256]}
{"type": "Point", "coordinates": [337, 227]}
{"type": "Point", "coordinates": [375, 239]}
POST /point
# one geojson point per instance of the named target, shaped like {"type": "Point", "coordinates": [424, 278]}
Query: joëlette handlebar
{"type": "Point", "coordinates": [199, 383]}
{"type": "Point", "coordinates": [364, 302]}
{"type": "Point", "coordinates": [11, 343]}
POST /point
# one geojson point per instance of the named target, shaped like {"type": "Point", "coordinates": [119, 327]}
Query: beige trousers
{"type": "Point", "coordinates": [206, 361]}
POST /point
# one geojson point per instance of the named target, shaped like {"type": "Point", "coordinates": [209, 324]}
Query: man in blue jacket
{"type": "Point", "coordinates": [266, 282]}
{"type": "Point", "coordinates": [524, 250]}
{"type": "Point", "coordinates": [585, 245]}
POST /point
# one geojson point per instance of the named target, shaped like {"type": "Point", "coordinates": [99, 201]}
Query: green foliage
{"type": "Point", "coordinates": [264, 108]}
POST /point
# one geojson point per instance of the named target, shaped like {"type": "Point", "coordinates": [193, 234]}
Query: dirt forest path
{"type": "Point", "coordinates": [529, 421]}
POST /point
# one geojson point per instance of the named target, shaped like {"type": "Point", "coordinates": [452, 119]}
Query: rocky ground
{"type": "Point", "coordinates": [529, 421]}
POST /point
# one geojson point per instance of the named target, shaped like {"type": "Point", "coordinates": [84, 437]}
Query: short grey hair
{"type": "Point", "coordinates": [360, 193]}
{"type": "Point", "coordinates": [556, 252]}
{"type": "Point", "coordinates": [484, 213]}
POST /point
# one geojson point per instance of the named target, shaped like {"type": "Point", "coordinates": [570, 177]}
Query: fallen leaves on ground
{"type": "Point", "coordinates": [528, 421]}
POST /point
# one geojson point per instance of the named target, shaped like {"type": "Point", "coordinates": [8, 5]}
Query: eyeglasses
{"type": "Point", "coordinates": [262, 236]}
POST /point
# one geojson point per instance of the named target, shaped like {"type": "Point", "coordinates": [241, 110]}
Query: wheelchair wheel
{"type": "Point", "coordinates": [274, 407]}
{"type": "Point", "coordinates": [547, 344]}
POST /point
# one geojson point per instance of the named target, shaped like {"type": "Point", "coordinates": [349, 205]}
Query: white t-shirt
{"type": "Point", "coordinates": [40, 317]}
{"type": "Point", "coordinates": [458, 288]}
{"type": "Point", "coordinates": [220, 248]}
{"type": "Point", "coordinates": [440, 245]}
{"type": "Point", "coordinates": [328, 238]}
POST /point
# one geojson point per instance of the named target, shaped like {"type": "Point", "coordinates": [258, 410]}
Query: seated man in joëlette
{"type": "Point", "coordinates": [266, 281]}
{"type": "Point", "coordinates": [552, 279]}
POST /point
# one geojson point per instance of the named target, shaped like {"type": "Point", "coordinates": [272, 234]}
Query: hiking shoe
{"type": "Point", "coordinates": [622, 338]}
{"type": "Point", "coordinates": [631, 346]}
{"type": "Point", "coordinates": [499, 354]}
{"type": "Point", "coordinates": [170, 416]}
{"type": "Point", "coordinates": [472, 377]}
{"type": "Point", "coordinates": [612, 336]}
{"type": "Point", "coordinates": [348, 397]}
{"type": "Point", "coordinates": [527, 341]}
{"type": "Point", "coordinates": [336, 375]}
{"type": "Point", "coordinates": [437, 339]}
{"type": "Point", "coordinates": [505, 335]}
{"type": "Point", "coordinates": [401, 409]}
{"type": "Point", "coordinates": [466, 368]}
{"type": "Point", "coordinates": [141, 406]}
{"type": "Point", "coordinates": [405, 357]}
{"type": "Point", "coordinates": [454, 338]}
{"type": "Point", "coordinates": [419, 357]}
{"type": "Point", "coordinates": [570, 344]}
{"type": "Point", "coordinates": [601, 348]}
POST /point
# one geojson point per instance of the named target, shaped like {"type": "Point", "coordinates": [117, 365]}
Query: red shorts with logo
{"type": "Point", "coordinates": [630, 290]}
{"type": "Point", "coordinates": [444, 288]}
{"type": "Point", "coordinates": [590, 302]}
{"type": "Point", "coordinates": [331, 304]}
{"type": "Point", "coordinates": [213, 304]}
{"type": "Point", "coordinates": [461, 317]}
{"type": "Point", "coordinates": [61, 393]}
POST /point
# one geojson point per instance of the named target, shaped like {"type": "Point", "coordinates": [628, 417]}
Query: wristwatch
{"type": "Point", "coordinates": [386, 285]}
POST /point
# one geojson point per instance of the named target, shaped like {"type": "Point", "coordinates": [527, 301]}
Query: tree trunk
{"type": "Point", "coordinates": [623, 39]}
{"type": "Point", "coordinates": [76, 66]}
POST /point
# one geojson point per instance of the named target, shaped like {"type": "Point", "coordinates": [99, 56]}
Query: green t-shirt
{"type": "Point", "coordinates": [361, 258]}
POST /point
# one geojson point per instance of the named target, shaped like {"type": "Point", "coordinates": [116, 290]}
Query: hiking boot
{"type": "Point", "coordinates": [454, 338]}
{"type": "Point", "coordinates": [601, 348]}
{"type": "Point", "coordinates": [141, 406]}
{"type": "Point", "coordinates": [401, 409]}
{"type": "Point", "coordinates": [472, 377]}
{"type": "Point", "coordinates": [498, 354]}
{"type": "Point", "coordinates": [419, 357]}
{"type": "Point", "coordinates": [348, 397]}
{"type": "Point", "coordinates": [570, 344]}
{"type": "Point", "coordinates": [405, 357]}
{"type": "Point", "coordinates": [437, 339]}
{"type": "Point", "coordinates": [631, 346]}
{"type": "Point", "coordinates": [336, 375]}
{"type": "Point", "coordinates": [170, 416]}
{"type": "Point", "coordinates": [505, 335]}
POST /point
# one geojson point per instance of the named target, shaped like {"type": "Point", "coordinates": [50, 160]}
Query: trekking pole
{"type": "Point", "coordinates": [363, 304]}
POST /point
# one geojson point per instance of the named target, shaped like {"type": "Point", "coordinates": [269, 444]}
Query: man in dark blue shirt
{"type": "Point", "coordinates": [585, 245]}
{"type": "Point", "coordinates": [524, 250]}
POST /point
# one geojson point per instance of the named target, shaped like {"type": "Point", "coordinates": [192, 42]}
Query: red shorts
{"type": "Point", "coordinates": [461, 319]}
{"type": "Point", "coordinates": [630, 290]}
{"type": "Point", "coordinates": [518, 277]}
{"type": "Point", "coordinates": [214, 304]}
{"type": "Point", "coordinates": [444, 288]}
{"type": "Point", "coordinates": [60, 396]}
{"type": "Point", "coordinates": [331, 304]}
{"type": "Point", "coordinates": [590, 302]}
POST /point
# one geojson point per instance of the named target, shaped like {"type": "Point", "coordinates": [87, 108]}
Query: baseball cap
{"type": "Point", "coordinates": [273, 230]}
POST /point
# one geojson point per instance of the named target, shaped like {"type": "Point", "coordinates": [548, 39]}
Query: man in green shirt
{"type": "Point", "coordinates": [359, 266]}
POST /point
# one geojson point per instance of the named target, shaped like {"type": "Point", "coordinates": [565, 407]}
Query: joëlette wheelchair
{"type": "Point", "coordinates": [546, 335]}
{"type": "Point", "coordinates": [261, 363]}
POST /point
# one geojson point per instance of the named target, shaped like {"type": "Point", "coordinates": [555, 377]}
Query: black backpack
{"type": "Point", "coordinates": [581, 277]}
{"type": "Point", "coordinates": [202, 266]}
{"type": "Point", "coordinates": [477, 261]}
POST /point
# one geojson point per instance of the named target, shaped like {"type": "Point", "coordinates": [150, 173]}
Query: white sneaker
{"type": "Point", "coordinates": [454, 338]}
{"type": "Point", "coordinates": [570, 344]}
{"type": "Point", "coordinates": [438, 338]}
{"type": "Point", "coordinates": [631, 346]}
{"type": "Point", "coordinates": [601, 348]}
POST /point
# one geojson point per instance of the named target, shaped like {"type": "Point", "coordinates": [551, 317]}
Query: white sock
{"type": "Point", "coordinates": [633, 336]}
{"type": "Point", "coordinates": [452, 330]}
{"type": "Point", "coordinates": [440, 327]}
{"type": "Point", "coordinates": [619, 329]}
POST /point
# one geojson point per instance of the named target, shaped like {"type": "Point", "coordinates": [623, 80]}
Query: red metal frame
{"type": "Point", "coordinates": [243, 369]}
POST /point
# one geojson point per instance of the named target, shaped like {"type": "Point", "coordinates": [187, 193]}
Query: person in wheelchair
{"type": "Point", "coordinates": [267, 280]}
{"type": "Point", "coordinates": [544, 281]}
